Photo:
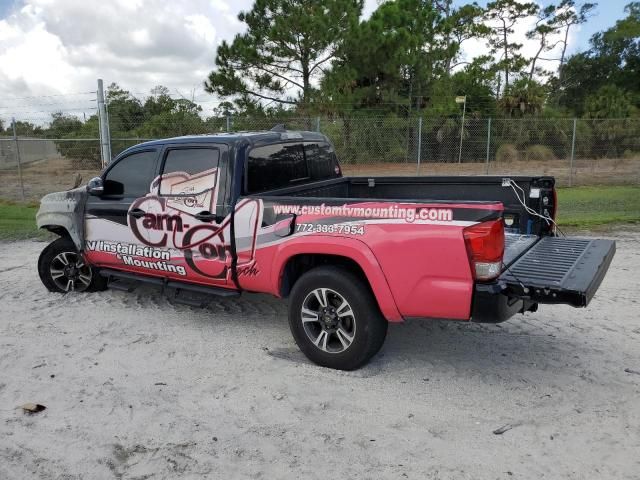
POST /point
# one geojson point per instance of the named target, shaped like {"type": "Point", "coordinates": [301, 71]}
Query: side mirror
{"type": "Point", "coordinates": [95, 186]}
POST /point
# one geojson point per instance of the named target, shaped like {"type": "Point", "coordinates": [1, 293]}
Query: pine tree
{"type": "Point", "coordinates": [288, 44]}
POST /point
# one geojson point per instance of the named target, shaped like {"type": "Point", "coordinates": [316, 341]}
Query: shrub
{"type": "Point", "coordinates": [539, 153]}
{"type": "Point", "coordinates": [507, 152]}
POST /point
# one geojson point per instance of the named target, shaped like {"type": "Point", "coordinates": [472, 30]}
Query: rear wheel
{"type": "Point", "coordinates": [334, 319]}
{"type": "Point", "coordinates": [63, 269]}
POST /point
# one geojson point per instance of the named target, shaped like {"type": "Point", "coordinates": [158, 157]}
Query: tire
{"type": "Point", "coordinates": [74, 275]}
{"type": "Point", "coordinates": [353, 332]}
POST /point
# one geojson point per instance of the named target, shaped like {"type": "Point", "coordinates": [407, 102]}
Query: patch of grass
{"type": "Point", "coordinates": [18, 221]}
{"type": "Point", "coordinates": [586, 207]}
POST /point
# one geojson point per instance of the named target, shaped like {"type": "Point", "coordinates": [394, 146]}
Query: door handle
{"type": "Point", "coordinates": [137, 213]}
{"type": "Point", "coordinates": [207, 216]}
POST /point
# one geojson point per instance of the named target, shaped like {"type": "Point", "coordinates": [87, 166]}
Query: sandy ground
{"type": "Point", "coordinates": [138, 388]}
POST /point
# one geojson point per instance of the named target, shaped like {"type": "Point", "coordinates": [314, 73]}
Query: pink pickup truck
{"type": "Point", "coordinates": [271, 212]}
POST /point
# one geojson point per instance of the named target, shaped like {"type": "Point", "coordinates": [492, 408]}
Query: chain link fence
{"type": "Point", "coordinates": [575, 151]}
{"type": "Point", "coordinates": [57, 151]}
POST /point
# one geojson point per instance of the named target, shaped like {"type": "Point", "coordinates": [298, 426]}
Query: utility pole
{"type": "Point", "coordinates": [105, 137]}
{"type": "Point", "coordinates": [15, 139]}
{"type": "Point", "coordinates": [488, 142]}
{"type": "Point", "coordinates": [573, 151]}
{"type": "Point", "coordinates": [463, 101]}
{"type": "Point", "coordinates": [419, 144]}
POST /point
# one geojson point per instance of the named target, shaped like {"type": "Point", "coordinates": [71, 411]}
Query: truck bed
{"type": "Point", "coordinates": [461, 189]}
{"type": "Point", "coordinates": [538, 267]}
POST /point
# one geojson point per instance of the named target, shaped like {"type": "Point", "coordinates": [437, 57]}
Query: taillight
{"type": "Point", "coordinates": [485, 246]}
{"type": "Point", "coordinates": [549, 209]}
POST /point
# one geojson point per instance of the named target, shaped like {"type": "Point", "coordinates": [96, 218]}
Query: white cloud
{"type": "Point", "coordinates": [202, 27]}
{"type": "Point", "coordinates": [30, 57]}
{"type": "Point", "coordinates": [141, 37]}
{"type": "Point", "coordinates": [220, 5]}
{"type": "Point", "coordinates": [369, 7]}
{"type": "Point", "coordinates": [129, 5]}
{"type": "Point", "coordinates": [49, 47]}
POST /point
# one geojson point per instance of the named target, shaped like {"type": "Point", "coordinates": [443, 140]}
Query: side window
{"type": "Point", "coordinates": [189, 171]}
{"type": "Point", "coordinates": [132, 175]}
{"type": "Point", "coordinates": [321, 160]}
{"type": "Point", "coordinates": [275, 166]}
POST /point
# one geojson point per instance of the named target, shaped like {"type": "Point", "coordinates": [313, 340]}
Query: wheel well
{"type": "Point", "coordinates": [58, 230]}
{"type": "Point", "coordinates": [299, 264]}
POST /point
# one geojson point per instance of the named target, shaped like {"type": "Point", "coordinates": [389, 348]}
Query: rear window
{"type": "Point", "coordinates": [284, 165]}
{"type": "Point", "coordinates": [276, 166]}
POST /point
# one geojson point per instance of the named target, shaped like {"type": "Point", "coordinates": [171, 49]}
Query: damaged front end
{"type": "Point", "coordinates": [63, 214]}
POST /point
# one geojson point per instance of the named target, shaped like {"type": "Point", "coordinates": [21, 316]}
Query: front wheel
{"type": "Point", "coordinates": [334, 319]}
{"type": "Point", "coordinates": [62, 269]}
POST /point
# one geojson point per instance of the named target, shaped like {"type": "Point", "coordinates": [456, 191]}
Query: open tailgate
{"type": "Point", "coordinates": [560, 270]}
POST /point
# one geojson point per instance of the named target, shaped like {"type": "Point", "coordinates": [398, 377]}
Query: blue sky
{"type": "Point", "coordinates": [607, 13]}
{"type": "Point", "coordinates": [5, 7]}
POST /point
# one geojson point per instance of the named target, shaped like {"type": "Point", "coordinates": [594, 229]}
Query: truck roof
{"type": "Point", "coordinates": [263, 137]}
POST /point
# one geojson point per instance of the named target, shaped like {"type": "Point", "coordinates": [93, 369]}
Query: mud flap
{"type": "Point", "coordinates": [559, 270]}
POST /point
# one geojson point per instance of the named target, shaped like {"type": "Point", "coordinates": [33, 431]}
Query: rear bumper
{"type": "Point", "coordinates": [491, 304]}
